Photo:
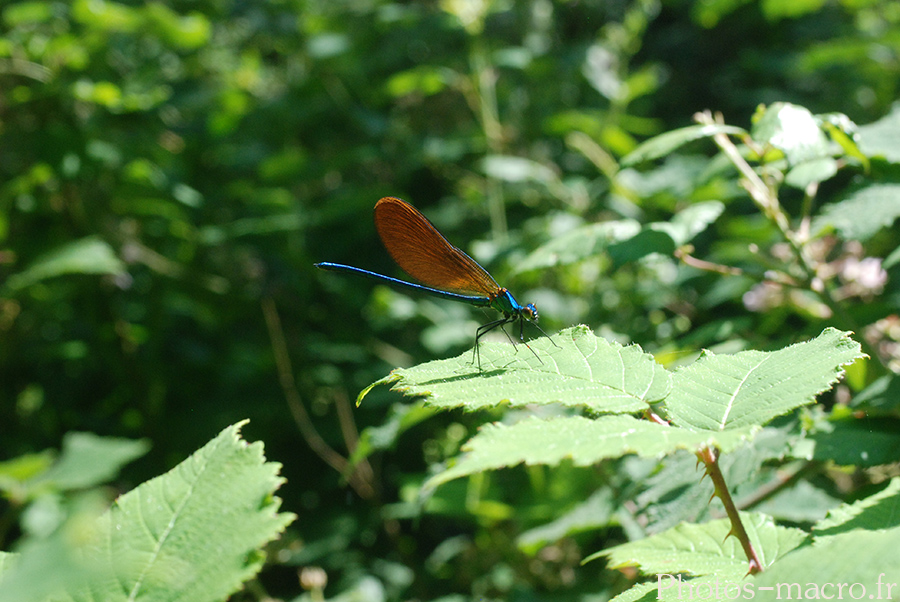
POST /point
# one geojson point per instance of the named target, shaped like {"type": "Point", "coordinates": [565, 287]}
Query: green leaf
{"type": "Point", "coordinates": [860, 558]}
{"type": "Point", "coordinates": [580, 369]}
{"type": "Point", "coordinates": [581, 243]}
{"type": "Point", "coordinates": [811, 172]}
{"type": "Point", "coordinates": [16, 472]}
{"type": "Point", "coordinates": [793, 130]}
{"type": "Point", "coordinates": [705, 549]}
{"type": "Point", "coordinates": [193, 534]}
{"type": "Point", "coordinates": [882, 138]}
{"type": "Point", "coordinates": [649, 240]}
{"type": "Point", "coordinates": [721, 392]}
{"type": "Point", "coordinates": [861, 215]}
{"type": "Point", "coordinates": [851, 442]}
{"type": "Point", "coordinates": [87, 460]}
{"type": "Point", "coordinates": [879, 511]}
{"type": "Point", "coordinates": [664, 144]}
{"type": "Point", "coordinates": [160, 535]}
{"type": "Point", "coordinates": [402, 417]}
{"type": "Point", "coordinates": [845, 133]}
{"type": "Point", "coordinates": [53, 567]}
{"type": "Point", "coordinates": [593, 513]}
{"type": "Point", "coordinates": [584, 441]}
{"type": "Point", "coordinates": [89, 255]}
{"type": "Point", "coordinates": [882, 395]}
{"type": "Point", "coordinates": [691, 221]}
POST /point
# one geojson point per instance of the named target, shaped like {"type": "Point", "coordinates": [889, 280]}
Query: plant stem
{"type": "Point", "coordinates": [488, 114]}
{"type": "Point", "coordinates": [710, 459]}
{"type": "Point", "coordinates": [767, 201]}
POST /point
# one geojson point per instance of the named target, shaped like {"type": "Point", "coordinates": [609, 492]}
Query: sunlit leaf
{"type": "Point", "coordinates": [721, 392]}
{"type": "Point", "coordinates": [705, 549]}
{"type": "Point", "coordinates": [793, 130]}
{"type": "Point", "coordinates": [575, 368]}
{"type": "Point", "coordinates": [164, 540]}
{"type": "Point", "coordinates": [584, 441]}
{"type": "Point", "coordinates": [878, 511]}
{"type": "Point", "coordinates": [861, 559]}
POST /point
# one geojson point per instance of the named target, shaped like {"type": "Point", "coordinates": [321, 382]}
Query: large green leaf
{"type": "Point", "coordinates": [192, 534]}
{"type": "Point", "coordinates": [721, 392]}
{"type": "Point", "coordinates": [878, 511]}
{"type": "Point", "coordinates": [89, 255]}
{"type": "Point", "coordinates": [572, 368]}
{"type": "Point", "coordinates": [861, 559]}
{"type": "Point", "coordinates": [861, 215]}
{"type": "Point", "coordinates": [705, 549]}
{"type": "Point", "coordinates": [584, 441]}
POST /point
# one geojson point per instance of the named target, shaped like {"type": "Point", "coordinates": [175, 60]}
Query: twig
{"type": "Point", "coordinates": [710, 459]}
{"type": "Point", "coordinates": [708, 266]}
{"type": "Point", "coordinates": [358, 482]}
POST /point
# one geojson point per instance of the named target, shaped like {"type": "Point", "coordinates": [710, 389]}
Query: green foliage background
{"type": "Point", "coordinates": [169, 172]}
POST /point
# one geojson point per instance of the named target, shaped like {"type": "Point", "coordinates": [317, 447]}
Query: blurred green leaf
{"type": "Point", "coordinates": [593, 513]}
{"type": "Point", "coordinates": [89, 255]}
{"type": "Point", "coordinates": [185, 32]}
{"type": "Point", "coordinates": [23, 13]}
{"type": "Point", "coordinates": [811, 172]}
{"type": "Point", "coordinates": [850, 442]}
{"type": "Point", "coordinates": [649, 240]}
{"type": "Point", "coordinates": [667, 143]}
{"type": "Point", "coordinates": [579, 244]}
{"type": "Point", "coordinates": [86, 460]}
{"type": "Point", "coordinates": [55, 566]}
{"type": "Point", "coordinates": [775, 10]}
{"type": "Point", "coordinates": [517, 169]}
{"type": "Point", "coordinates": [424, 79]}
{"type": "Point", "coordinates": [16, 472]}
{"type": "Point", "coordinates": [882, 138]}
{"type": "Point", "coordinates": [883, 394]}
{"type": "Point", "coordinates": [376, 438]}
{"type": "Point", "coordinates": [156, 539]}
{"type": "Point", "coordinates": [863, 213]}
{"type": "Point", "coordinates": [691, 221]}
{"type": "Point", "coordinates": [106, 16]}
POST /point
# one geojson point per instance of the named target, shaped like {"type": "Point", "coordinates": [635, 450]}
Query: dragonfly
{"type": "Point", "coordinates": [443, 270]}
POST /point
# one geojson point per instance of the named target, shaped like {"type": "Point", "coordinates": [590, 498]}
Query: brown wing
{"type": "Point", "coordinates": [423, 253]}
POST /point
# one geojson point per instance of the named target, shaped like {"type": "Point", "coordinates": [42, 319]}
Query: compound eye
{"type": "Point", "coordinates": [530, 312]}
